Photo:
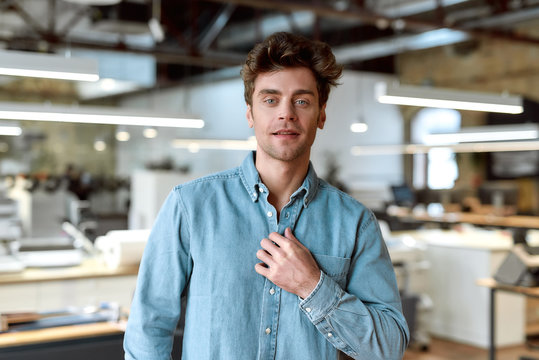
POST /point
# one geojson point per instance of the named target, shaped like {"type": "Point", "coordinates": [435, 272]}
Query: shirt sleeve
{"type": "Point", "coordinates": [365, 320]}
{"type": "Point", "coordinates": [163, 275]}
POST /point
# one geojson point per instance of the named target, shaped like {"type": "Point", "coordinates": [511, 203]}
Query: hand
{"type": "Point", "coordinates": [288, 264]}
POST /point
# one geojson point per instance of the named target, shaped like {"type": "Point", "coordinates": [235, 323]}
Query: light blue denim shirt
{"type": "Point", "coordinates": [205, 240]}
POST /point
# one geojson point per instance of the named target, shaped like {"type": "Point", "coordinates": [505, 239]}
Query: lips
{"type": "Point", "coordinates": [286, 132]}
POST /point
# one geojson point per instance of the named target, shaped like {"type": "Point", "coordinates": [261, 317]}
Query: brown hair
{"type": "Point", "coordinates": [284, 50]}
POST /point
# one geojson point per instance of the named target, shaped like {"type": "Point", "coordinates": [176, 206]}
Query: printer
{"type": "Point", "coordinates": [520, 267]}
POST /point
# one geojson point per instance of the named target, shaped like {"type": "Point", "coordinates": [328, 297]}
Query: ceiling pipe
{"type": "Point", "coordinates": [368, 17]}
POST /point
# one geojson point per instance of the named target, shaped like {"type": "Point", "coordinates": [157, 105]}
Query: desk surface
{"type": "Point", "coordinates": [493, 284]}
{"type": "Point", "coordinates": [529, 222]}
{"type": "Point", "coordinates": [61, 333]}
{"type": "Point", "coordinates": [90, 268]}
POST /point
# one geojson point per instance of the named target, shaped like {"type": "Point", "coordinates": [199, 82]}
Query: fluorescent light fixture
{"type": "Point", "coordinates": [359, 127]}
{"type": "Point", "coordinates": [21, 63]}
{"type": "Point", "coordinates": [457, 148]}
{"type": "Point", "coordinates": [194, 145]}
{"type": "Point", "coordinates": [94, 115]}
{"type": "Point", "coordinates": [10, 130]}
{"type": "Point", "coordinates": [486, 133]}
{"type": "Point", "coordinates": [445, 98]}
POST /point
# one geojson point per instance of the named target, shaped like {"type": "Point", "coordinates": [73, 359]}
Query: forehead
{"type": "Point", "coordinates": [286, 80]}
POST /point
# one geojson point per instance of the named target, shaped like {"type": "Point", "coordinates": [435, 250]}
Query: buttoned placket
{"type": "Point", "coordinates": [271, 296]}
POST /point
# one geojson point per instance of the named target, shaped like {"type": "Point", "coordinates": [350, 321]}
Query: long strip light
{"type": "Point", "coordinates": [195, 145]}
{"type": "Point", "coordinates": [457, 148]}
{"type": "Point", "coordinates": [445, 98]}
{"type": "Point", "coordinates": [486, 133]}
{"type": "Point", "coordinates": [94, 115]}
{"type": "Point", "coordinates": [20, 63]}
{"type": "Point", "coordinates": [10, 130]}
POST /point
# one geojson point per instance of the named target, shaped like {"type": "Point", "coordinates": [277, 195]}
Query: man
{"type": "Point", "coordinates": [275, 263]}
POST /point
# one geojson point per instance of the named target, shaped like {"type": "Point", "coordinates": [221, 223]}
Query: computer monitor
{"type": "Point", "coordinates": [403, 195]}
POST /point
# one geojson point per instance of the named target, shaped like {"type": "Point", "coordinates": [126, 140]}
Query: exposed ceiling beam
{"type": "Point", "coordinates": [242, 34]}
{"type": "Point", "coordinates": [216, 26]}
{"type": "Point", "coordinates": [210, 59]}
{"type": "Point", "coordinates": [504, 19]}
{"type": "Point", "coordinates": [398, 44]}
{"type": "Point", "coordinates": [368, 17]}
{"type": "Point", "coordinates": [362, 15]}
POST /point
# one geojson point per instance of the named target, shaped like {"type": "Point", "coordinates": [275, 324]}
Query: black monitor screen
{"type": "Point", "coordinates": [403, 195]}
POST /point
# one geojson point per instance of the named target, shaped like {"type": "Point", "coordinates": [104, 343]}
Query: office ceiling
{"type": "Point", "coordinates": [207, 38]}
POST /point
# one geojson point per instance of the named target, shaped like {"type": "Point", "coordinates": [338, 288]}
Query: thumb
{"type": "Point", "coordinates": [288, 234]}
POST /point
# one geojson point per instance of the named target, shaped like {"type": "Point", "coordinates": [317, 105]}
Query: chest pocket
{"type": "Point", "coordinates": [335, 267]}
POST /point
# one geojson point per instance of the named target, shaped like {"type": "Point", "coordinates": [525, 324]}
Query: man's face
{"type": "Point", "coordinates": [285, 114]}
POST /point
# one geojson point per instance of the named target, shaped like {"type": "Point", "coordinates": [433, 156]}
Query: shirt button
{"type": "Point", "coordinates": [308, 309]}
{"type": "Point", "coordinates": [268, 330]}
{"type": "Point", "coordinates": [269, 213]}
{"type": "Point", "coordinates": [272, 291]}
{"type": "Point", "coordinates": [329, 334]}
{"type": "Point", "coordinates": [287, 215]}
{"type": "Point", "coordinates": [261, 189]}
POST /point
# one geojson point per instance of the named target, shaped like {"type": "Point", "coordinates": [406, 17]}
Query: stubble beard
{"type": "Point", "coordinates": [287, 154]}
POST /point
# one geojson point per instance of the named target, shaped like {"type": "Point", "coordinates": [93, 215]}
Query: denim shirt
{"type": "Point", "coordinates": [204, 242]}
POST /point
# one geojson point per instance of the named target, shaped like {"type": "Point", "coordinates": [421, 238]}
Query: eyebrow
{"type": "Point", "coordinates": [277, 92]}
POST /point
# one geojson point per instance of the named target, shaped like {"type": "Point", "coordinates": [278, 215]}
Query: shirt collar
{"type": "Point", "coordinates": [252, 182]}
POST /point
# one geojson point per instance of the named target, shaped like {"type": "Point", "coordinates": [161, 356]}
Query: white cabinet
{"type": "Point", "coordinates": [55, 295]}
{"type": "Point", "coordinates": [149, 188]}
{"type": "Point", "coordinates": [461, 308]}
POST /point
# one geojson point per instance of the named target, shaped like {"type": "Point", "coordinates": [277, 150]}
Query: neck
{"type": "Point", "coordinates": [281, 178]}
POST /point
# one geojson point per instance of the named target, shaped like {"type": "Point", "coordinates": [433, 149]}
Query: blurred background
{"type": "Point", "coordinates": [105, 105]}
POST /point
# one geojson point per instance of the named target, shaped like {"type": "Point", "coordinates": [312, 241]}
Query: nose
{"type": "Point", "coordinates": [287, 111]}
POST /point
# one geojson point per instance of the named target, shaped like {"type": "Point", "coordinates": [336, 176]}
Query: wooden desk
{"type": "Point", "coordinates": [90, 268]}
{"type": "Point", "coordinates": [82, 342]}
{"type": "Point", "coordinates": [494, 286]}
{"type": "Point", "coordinates": [528, 222]}
{"type": "Point", "coordinates": [61, 333]}
{"type": "Point", "coordinates": [45, 289]}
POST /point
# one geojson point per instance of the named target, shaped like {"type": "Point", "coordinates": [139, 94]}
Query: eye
{"type": "Point", "coordinates": [270, 101]}
{"type": "Point", "coordinates": [302, 102]}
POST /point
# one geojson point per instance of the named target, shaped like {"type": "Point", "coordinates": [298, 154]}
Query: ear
{"type": "Point", "coordinates": [249, 116]}
{"type": "Point", "coordinates": [322, 117]}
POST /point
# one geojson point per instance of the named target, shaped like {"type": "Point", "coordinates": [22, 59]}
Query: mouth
{"type": "Point", "coordinates": [285, 132]}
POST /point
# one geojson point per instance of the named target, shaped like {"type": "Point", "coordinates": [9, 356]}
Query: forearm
{"type": "Point", "coordinates": [154, 313]}
{"type": "Point", "coordinates": [163, 274]}
{"type": "Point", "coordinates": [362, 331]}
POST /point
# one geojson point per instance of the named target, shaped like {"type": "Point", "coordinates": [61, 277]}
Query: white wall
{"type": "Point", "coordinates": [222, 107]}
{"type": "Point", "coordinates": [352, 100]}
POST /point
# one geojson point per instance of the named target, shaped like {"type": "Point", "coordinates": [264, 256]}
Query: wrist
{"type": "Point", "coordinates": [309, 287]}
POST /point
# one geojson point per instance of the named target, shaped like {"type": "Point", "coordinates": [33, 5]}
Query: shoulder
{"type": "Point", "coordinates": [209, 180]}
{"type": "Point", "coordinates": [347, 205]}
{"type": "Point", "coordinates": [334, 194]}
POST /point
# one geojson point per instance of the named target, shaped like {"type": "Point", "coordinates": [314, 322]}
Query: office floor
{"type": "Point", "coordinates": [447, 350]}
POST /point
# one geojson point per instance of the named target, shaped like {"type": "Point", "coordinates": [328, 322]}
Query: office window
{"type": "Point", "coordinates": [438, 169]}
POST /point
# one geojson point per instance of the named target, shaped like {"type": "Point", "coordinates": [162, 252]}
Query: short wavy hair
{"type": "Point", "coordinates": [284, 50]}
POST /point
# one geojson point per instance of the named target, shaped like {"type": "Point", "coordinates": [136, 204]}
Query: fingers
{"type": "Point", "coordinates": [291, 238]}
{"type": "Point", "coordinates": [288, 234]}
{"type": "Point", "coordinates": [271, 246]}
{"type": "Point", "coordinates": [282, 240]}
{"type": "Point", "coordinates": [262, 269]}
{"type": "Point", "coordinates": [265, 257]}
